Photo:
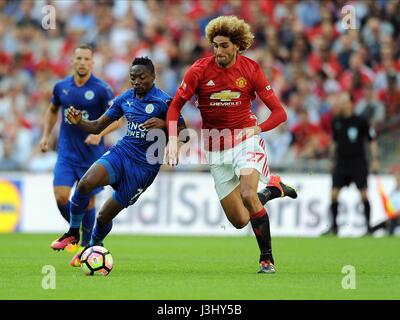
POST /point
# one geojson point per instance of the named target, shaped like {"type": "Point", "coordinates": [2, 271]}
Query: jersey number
{"type": "Point", "coordinates": [255, 156]}
{"type": "Point", "coordinates": [136, 196]}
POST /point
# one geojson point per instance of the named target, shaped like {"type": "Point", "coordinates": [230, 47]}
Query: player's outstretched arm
{"type": "Point", "coordinates": [154, 123]}
{"type": "Point", "coordinates": [94, 126]}
{"type": "Point", "coordinates": [49, 122]}
{"type": "Point", "coordinates": [172, 148]}
{"type": "Point", "coordinates": [94, 139]}
{"type": "Point", "coordinates": [278, 113]}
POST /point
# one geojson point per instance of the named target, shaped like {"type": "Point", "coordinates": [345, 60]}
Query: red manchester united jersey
{"type": "Point", "coordinates": [224, 95]}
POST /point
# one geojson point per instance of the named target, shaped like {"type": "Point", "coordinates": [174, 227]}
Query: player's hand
{"type": "Point", "coordinates": [154, 123]}
{"type": "Point", "coordinates": [171, 152]}
{"type": "Point", "coordinates": [375, 166]}
{"type": "Point", "coordinates": [74, 116]}
{"type": "Point", "coordinates": [93, 139]}
{"type": "Point", "coordinates": [247, 133]}
{"type": "Point", "coordinates": [44, 144]}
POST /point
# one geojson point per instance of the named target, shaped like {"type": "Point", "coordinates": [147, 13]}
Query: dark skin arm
{"type": "Point", "coordinates": [154, 123]}
{"type": "Point", "coordinates": [50, 121]}
{"type": "Point", "coordinates": [95, 126]}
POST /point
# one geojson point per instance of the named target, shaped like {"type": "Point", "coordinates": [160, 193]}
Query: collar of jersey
{"type": "Point", "coordinates": [231, 67]}
{"type": "Point", "coordinates": [85, 84]}
{"type": "Point", "coordinates": [148, 95]}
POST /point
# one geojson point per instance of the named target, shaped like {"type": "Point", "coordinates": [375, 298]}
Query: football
{"type": "Point", "coordinates": [96, 260]}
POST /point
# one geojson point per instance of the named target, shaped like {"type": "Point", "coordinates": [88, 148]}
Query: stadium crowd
{"type": "Point", "coordinates": [309, 49]}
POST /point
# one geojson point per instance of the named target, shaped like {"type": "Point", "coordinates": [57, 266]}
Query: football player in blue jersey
{"type": "Point", "coordinates": [77, 150]}
{"type": "Point", "coordinates": [128, 166]}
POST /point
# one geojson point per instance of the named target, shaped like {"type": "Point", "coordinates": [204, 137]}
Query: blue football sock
{"type": "Point", "coordinates": [64, 210]}
{"type": "Point", "coordinates": [100, 231]}
{"type": "Point", "coordinates": [79, 203]}
{"type": "Point", "coordinates": [87, 225]}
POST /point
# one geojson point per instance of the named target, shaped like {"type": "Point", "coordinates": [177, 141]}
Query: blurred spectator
{"type": "Point", "coordinates": [308, 12]}
{"type": "Point", "coordinates": [278, 143]}
{"type": "Point", "coordinates": [309, 140]}
{"type": "Point", "coordinates": [7, 159]}
{"type": "Point", "coordinates": [370, 108]}
{"type": "Point", "coordinates": [390, 97]}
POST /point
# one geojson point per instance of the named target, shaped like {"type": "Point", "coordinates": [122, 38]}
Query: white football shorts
{"type": "Point", "coordinates": [225, 165]}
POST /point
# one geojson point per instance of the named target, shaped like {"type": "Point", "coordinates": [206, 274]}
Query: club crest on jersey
{"type": "Point", "coordinates": [241, 82]}
{"type": "Point", "coordinates": [149, 108]}
{"type": "Point", "coordinates": [89, 95]}
{"type": "Point", "coordinates": [352, 133]}
{"type": "Point", "coordinates": [225, 95]}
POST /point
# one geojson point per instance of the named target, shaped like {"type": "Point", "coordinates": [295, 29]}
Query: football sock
{"type": "Point", "coordinates": [367, 212]}
{"type": "Point", "coordinates": [378, 226]}
{"type": "Point", "coordinates": [260, 224]}
{"type": "Point", "coordinates": [100, 231]}
{"type": "Point", "coordinates": [87, 226]}
{"type": "Point", "coordinates": [334, 214]}
{"type": "Point", "coordinates": [79, 203]}
{"type": "Point", "coordinates": [268, 193]}
{"type": "Point", "coordinates": [392, 225]}
{"type": "Point", "coordinates": [64, 210]}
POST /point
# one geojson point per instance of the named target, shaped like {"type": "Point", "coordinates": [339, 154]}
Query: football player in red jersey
{"type": "Point", "coordinates": [225, 85]}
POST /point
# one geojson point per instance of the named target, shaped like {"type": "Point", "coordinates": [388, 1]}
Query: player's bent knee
{"type": "Point", "coordinates": [239, 222]}
{"type": "Point", "coordinates": [85, 186]}
{"type": "Point", "coordinates": [250, 198]}
{"type": "Point", "coordinates": [104, 218]}
{"type": "Point", "coordinates": [62, 199]}
{"type": "Point", "coordinates": [92, 202]}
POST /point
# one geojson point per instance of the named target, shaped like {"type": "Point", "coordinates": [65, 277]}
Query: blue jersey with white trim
{"type": "Point", "coordinates": [93, 98]}
{"type": "Point", "coordinates": [135, 144]}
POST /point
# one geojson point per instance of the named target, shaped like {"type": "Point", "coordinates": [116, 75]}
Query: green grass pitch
{"type": "Point", "coordinates": [200, 268]}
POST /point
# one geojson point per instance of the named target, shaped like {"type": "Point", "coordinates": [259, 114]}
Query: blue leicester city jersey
{"type": "Point", "coordinates": [93, 98]}
{"type": "Point", "coordinates": [135, 144]}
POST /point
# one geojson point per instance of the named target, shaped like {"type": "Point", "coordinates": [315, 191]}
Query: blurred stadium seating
{"type": "Point", "coordinates": [303, 47]}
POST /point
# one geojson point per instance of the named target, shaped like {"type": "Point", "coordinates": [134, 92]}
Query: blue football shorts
{"type": "Point", "coordinates": [128, 177]}
{"type": "Point", "coordinates": [66, 174]}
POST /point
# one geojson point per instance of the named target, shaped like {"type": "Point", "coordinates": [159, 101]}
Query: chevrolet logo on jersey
{"type": "Point", "coordinates": [225, 95]}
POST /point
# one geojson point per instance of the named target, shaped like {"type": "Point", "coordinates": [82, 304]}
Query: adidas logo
{"type": "Point", "coordinates": [210, 83]}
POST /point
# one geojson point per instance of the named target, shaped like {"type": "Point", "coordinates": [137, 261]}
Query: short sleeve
{"type": "Point", "coordinates": [55, 100]}
{"type": "Point", "coordinates": [115, 111]}
{"type": "Point", "coordinates": [370, 131]}
{"type": "Point", "coordinates": [190, 82]}
{"type": "Point", "coordinates": [108, 96]}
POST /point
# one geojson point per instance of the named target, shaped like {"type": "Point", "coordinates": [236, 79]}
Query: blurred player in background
{"type": "Point", "coordinates": [225, 85]}
{"type": "Point", "coordinates": [349, 160]}
{"type": "Point", "coordinates": [391, 204]}
{"type": "Point", "coordinates": [127, 167]}
{"type": "Point", "coordinates": [77, 150]}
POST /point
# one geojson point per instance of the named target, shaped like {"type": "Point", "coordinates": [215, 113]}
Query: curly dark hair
{"type": "Point", "coordinates": [237, 30]}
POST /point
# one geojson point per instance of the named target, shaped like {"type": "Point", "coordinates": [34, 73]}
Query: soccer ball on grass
{"type": "Point", "coordinates": [96, 260]}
